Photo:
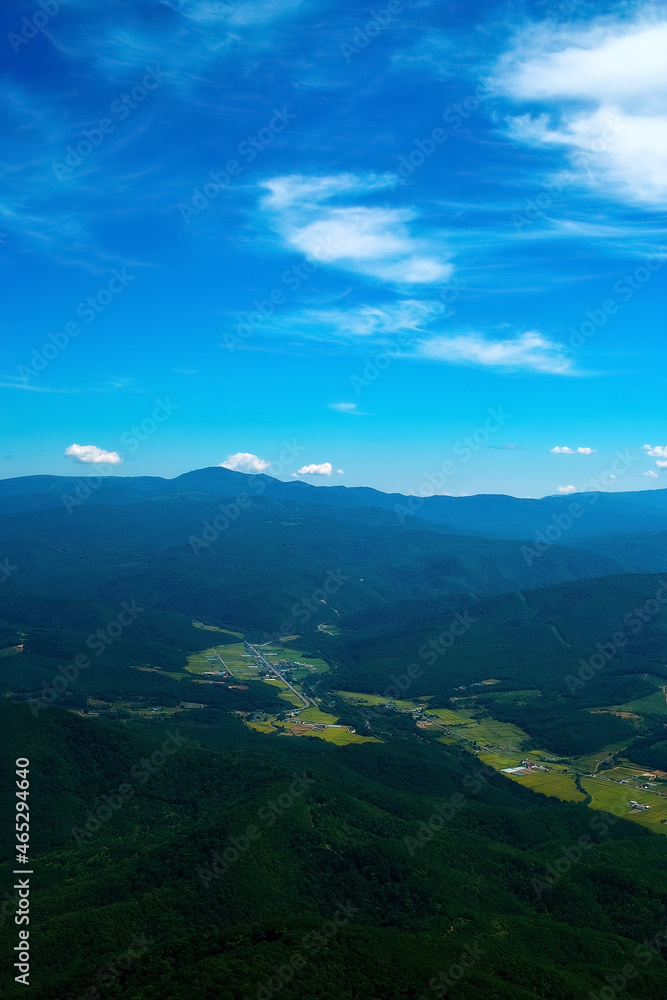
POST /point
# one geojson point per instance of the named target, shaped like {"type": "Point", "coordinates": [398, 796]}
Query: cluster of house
{"type": "Point", "coordinates": [637, 805]}
{"type": "Point", "coordinates": [535, 767]}
{"type": "Point", "coordinates": [524, 766]}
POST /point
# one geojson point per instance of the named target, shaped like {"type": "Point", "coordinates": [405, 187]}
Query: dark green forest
{"type": "Point", "coordinates": [382, 868]}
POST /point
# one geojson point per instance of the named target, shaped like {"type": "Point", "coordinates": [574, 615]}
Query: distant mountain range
{"type": "Point", "coordinates": [245, 550]}
{"type": "Point", "coordinates": [490, 515]}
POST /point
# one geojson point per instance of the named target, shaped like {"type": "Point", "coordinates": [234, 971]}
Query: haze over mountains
{"type": "Point", "coordinates": [492, 515]}
{"type": "Point", "coordinates": [252, 545]}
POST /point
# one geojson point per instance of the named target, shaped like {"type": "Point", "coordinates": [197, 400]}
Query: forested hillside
{"type": "Point", "coordinates": [384, 869]}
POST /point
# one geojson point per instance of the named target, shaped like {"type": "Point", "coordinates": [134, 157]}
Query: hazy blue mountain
{"type": "Point", "coordinates": [494, 516]}
{"type": "Point", "coordinates": [250, 562]}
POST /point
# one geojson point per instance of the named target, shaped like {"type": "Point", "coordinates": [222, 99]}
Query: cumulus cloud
{"type": "Point", "coordinates": [566, 489]}
{"type": "Point", "coordinates": [660, 451]}
{"type": "Point", "coordinates": [323, 469]}
{"type": "Point", "coordinates": [651, 474]}
{"type": "Point", "coordinates": [376, 241]}
{"type": "Point", "coordinates": [527, 351]}
{"type": "Point", "coordinates": [606, 85]}
{"type": "Point", "coordinates": [602, 61]}
{"type": "Point", "coordinates": [244, 461]}
{"type": "Point", "coordinates": [340, 472]}
{"type": "Point", "coordinates": [91, 454]}
{"type": "Point", "coordinates": [564, 450]}
{"type": "Point", "coordinates": [661, 463]}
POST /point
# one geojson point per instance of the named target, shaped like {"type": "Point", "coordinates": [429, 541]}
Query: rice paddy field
{"type": "Point", "coordinates": [240, 663]}
{"type": "Point", "coordinates": [312, 663]}
{"type": "Point", "coordinates": [314, 715]}
{"type": "Point", "coordinates": [614, 798]}
{"type": "Point", "coordinates": [285, 692]}
{"type": "Point", "coordinates": [623, 773]}
{"type": "Point", "coordinates": [557, 783]}
{"type": "Point", "coordinates": [199, 662]}
{"type": "Point", "coordinates": [486, 732]}
{"type": "Point", "coordinates": [587, 763]}
{"type": "Point", "coordinates": [341, 736]}
{"type": "Point", "coordinates": [450, 718]}
{"type": "Point", "coordinates": [376, 699]}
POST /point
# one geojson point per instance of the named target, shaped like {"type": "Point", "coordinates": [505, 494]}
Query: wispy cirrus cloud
{"type": "Point", "coordinates": [14, 383]}
{"type": "Point", "coordinates": [408, 328]}
{"type": "Point", "coordinates": [376, 241]}
{"type": "Point", "coordinates": [188, 35]}
{"type": "Point", "coordinates": [531, 352]}
{"type": "Point", "coordinates": [431, 54]}
{"type": "Point", "coordinates": [349, 408]}
{"type": "Point", "coordinates": [372, 323]}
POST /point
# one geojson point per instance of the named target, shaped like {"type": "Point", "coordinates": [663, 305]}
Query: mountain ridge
{"type": "Point", "coordinates": [487, 514]}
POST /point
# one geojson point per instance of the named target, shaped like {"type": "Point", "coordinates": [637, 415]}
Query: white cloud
{"type": "Point", "coordinates": [378, 322]}
{"type": "Point", "coordinates": [564, 450]}
{"type": "Point", "coordinates": [603, 62]}
{"type": "Point", "coordinates": [661, 463]}
{"type": "Point", "coordinates": [340, 472]}
{"type": "Point", "coordinates": [376, 241]}
{"type": "Point", "coordinates": [297, 189]}
{"type": "Point", "coordinates": [608, 82]}
{"type": "Point", "coordinates": [323, 469]}
{"type": "Point", "coordinates": [91, 454]}
{"type": "Point", "coordinates": [244, 461]}
{"type": "Point", "coordinates": [651, 474]}
{"type": "Point", "coordinates": [566, 489]}
{"type": "Point", "coordinates": [346, 408]}
{"type": "Point", "coordinates": [528, 351]}
{"type": "Point", "coordinates": [660, 451]}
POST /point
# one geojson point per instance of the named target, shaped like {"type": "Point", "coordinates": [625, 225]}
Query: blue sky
{"type": "Point", "coordinates": [421, 244]}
